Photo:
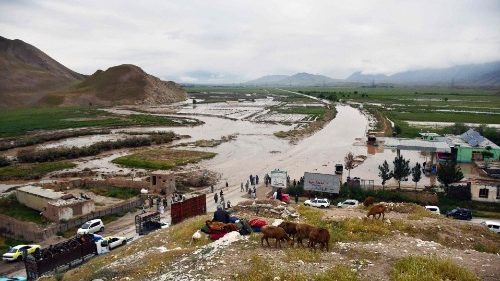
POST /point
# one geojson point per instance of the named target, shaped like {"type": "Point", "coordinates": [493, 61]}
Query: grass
{"type": "Point", "coordinates": [115, 192]}
{"type": "Point", "coordinates": [260, 270]}
{"type": "Point", "coordinates": [32, 170]}
{"type": "Point", "coordinates": [20, 121]}
{"type": "Point", "coordinates": [6, 242]}
{"type": "Point", "coordinates": [163, 159]}
{"type": "Point", "coordinates": [181, 233]}
{"type": "Point", "coordinates": [309, 110]}
{"type": "Point", "coordinates": [295, 254]}
{"type": "Point", "coordinates": [9, 206]}
{"type": "Point", "coordinates": [311, 127]}
{"type": "Point", "coordinates": [421, 268]}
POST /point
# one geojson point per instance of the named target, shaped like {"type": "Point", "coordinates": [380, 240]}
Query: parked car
{"type": "Point", "coordinates": [349, 203]}
{"type": "Point", "coordinates": [318, 202]}
{"type": "Point", "coordinates": [16, 253]}
{"type": "Point", "coordinates": [115, 241]}
{"type": "Point", "coordinates": [91, 227]}
{"type": "Point", "coordinates": [493, 226]}
{"type": "Point", "coordinates": [460, 214]}
{"type": "Point", "coordinates": [433, 209]}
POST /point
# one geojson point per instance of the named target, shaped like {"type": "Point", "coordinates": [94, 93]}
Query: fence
{"type": "Point", "coordinates": [188, 208]}
{"type": "Point", "coordinates": [13, 228]}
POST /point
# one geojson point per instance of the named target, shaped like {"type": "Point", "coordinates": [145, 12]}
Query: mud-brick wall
{"type": "Point", "coordinates": [57, 213]}
{"type": "Point", "coordinates": [23, 230]}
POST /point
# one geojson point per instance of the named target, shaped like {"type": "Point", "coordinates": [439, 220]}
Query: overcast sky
{"type": "Point", "coordinates": [234, 41]}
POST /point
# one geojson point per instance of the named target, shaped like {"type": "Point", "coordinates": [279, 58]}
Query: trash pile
{"type": "Point", "coordinates": [269, 208]}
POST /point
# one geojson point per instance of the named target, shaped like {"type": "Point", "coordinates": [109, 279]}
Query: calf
{"type": "Point", "coordinates": [303, 231]}
{"type": "Point", "coordinates": [321, 236]}
{"type": "Point", "coordinates": [290, 228]}
{"type": "Point", "coordinates": [377, 210]}
{"type": "Point", "coordinates": [278, 233]}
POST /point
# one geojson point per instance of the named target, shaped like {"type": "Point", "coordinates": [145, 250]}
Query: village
{"type": "Point", "coordinates": [118, 206]}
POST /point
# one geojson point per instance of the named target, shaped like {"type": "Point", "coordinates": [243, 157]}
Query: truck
{"type": "Point", "coordinates": [65, 255]}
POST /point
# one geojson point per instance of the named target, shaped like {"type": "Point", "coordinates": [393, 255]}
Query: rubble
{"type": "Point", "coordinates": [269, 207]}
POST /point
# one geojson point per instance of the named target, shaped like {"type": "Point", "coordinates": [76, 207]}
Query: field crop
{"type": "Point", "coordinates": [32, 170]}
{"type": "Point", "coordinates": [21, 121]}
{"type": "Point", "coordinates": [163, 159]}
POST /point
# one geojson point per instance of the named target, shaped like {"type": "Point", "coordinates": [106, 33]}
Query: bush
{"type": "Point", "coordinates": [4, 162]}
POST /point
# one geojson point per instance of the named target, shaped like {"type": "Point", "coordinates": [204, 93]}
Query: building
{"type": "Point", "coordinates": [430, 136]}
{"type": "Point", "coordinates": [471, 146]}
{"type": "Point", "coordinates": [37, 198]}
{"type": "Point", "coordinates": [63, 210]}
{"type": "Point", "coordinates": [485, 193]}
{"type": "Point", "coordinates": [162, 182]}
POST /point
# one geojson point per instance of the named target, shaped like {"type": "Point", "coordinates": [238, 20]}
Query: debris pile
{"type": "Point", "coordinates": [269, 207]}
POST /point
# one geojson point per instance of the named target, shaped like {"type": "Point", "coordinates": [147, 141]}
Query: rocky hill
{"type": "Point", "coordinates": [124, 84]}
{"type": "Point", "coordinates": [26, 71]}
{"type": "Point", "coordinates": [29, 77]}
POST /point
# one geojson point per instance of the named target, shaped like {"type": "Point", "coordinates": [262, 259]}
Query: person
{"type": "Point", "coordinates": [247, 185]}
{"type": "Point", "coordinates": [241, 188]}
{"type": "Point", "coordinates": [275, 195]}
{"type": "Point", "coordinates": [228, 204]}
{"type": "Point", "coordinates": [294, 183]}
{"type": "Point", "coordinates": [221, 193]}
{"type": "Point", "coordinates": [278, 194]}
{"type": "Point", "coordinates": [256, 179]}
{"type": "Point", "coordinates": [216, 198]}
{"type": "Point", "coordinates": [227, 185]}
{"type": "Point", "coordinates": [296, 198]}
{"type": "Point", "coordinates": [222, 198]}
{"type": "Point", "coordinates": [212, 189]}
{"type": "Point", "coordinates": [221, 215]}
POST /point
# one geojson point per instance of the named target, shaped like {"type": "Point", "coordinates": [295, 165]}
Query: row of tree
{"type": "Point", "coordinates": [447, 173]}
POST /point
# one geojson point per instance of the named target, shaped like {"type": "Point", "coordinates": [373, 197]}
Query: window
{"type": "Point", "coordinates": [154, 180]}
{"type": "Point", "coordinates": [483, 193]}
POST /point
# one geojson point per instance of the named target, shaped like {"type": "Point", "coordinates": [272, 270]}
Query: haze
{"type": "Point", "coordinates": [235, 41]}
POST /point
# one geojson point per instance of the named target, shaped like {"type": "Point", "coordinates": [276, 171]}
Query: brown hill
{"type": "Point", "coordinates": [28, 76]}
{"type": "Point", "coordinates": [125, 84]}
{"type": "Point", "coordinates": [25, 71]}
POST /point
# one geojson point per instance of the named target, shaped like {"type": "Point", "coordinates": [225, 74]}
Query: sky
{"type": "Point", "coordinates": [231, 41]}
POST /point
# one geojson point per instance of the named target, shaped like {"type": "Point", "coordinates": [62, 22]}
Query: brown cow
{"type": "Point", "coordinates": [276, 232]}
{"type": "Point", "coordinates": [321, 236]}
{"type": "Point", "coordinates": [377, 210]}
{"type": "Point", "coordinates": [303, 231]}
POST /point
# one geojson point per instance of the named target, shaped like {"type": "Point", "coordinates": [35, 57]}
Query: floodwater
{"type": "Point", "coordinates": [426, 124]}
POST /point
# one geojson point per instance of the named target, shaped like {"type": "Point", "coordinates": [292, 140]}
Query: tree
{"type": "Point", "coordinates": [416, 174]}
{"type": "Point", "coordinates": [384, 173]}
{"type": "Point", "coordinates": [397, 130]}
{"type": "Point", "coordinates": [349, 163]}
{"type": "Point", "coordinates": [449, 173]}
{"type": "Point", "coordinates": [401, 169]}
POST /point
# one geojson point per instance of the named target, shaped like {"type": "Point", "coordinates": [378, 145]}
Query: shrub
{"type": "Point", "coordinates": [4, 162]}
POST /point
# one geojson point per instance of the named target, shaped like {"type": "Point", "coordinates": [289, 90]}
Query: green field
{"type": "Point", "coordinates": [32, 170]}
{"type": "Point", "coordinates": [115, 192]}
{"type": "Point", "coordinates": [163, 159]}
{"type": "Point", "coordinates": [20, 121]}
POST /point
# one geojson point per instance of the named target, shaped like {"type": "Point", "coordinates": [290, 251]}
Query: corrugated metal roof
{"type": "Point", "coordinates": [414, 144]}
{"type": "Point", "coordinates": [42, 192]}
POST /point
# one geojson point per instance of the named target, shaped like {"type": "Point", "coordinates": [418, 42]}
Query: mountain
{"type": "Point", "coordinates": [28, 77]}
{"type": "Point", "coordinates": [299, 79]}
{"type": "Point", "coordinates": [124, 84]}
{"type": "Point", "coordinates": [477, 75]}
{"type": "Point", "coordinates": [26, 69]}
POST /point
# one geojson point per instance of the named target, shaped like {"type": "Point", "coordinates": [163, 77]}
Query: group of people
{"type": "Point", "coordinates": [219, 198]}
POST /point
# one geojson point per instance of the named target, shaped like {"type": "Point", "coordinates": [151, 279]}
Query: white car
{"type": "Point", "coordinates": [116, 241]}
{"type": "Point", "coordinates": [493, 226]}
{"type": "Point", "coordinates": [319, 203]}
{"type": "Point", "coordinates": [433, 209]}
{"type": "Point", "coordinates": [91, 227]}
{"type": "Point", "coordinates": [349, 203]}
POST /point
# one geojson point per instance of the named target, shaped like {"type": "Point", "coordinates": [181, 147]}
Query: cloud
{"type": "Point", "coordinates": [241, 40]}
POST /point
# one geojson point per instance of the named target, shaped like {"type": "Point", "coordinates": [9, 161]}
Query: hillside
{"type": "Point", "coordinates": [26, 71]}
{"type": "Point", "coordinates": [123, 84]}
{"type": "Point", "coordinates": [30, 77]}
{"type": "Point", "coordinates": [479, 75]}
{"type": "Point", "coordinates": [299, 79]}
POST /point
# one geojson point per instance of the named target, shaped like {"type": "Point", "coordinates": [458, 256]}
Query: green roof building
{"type": "Point", "coordinates": [471, 146]}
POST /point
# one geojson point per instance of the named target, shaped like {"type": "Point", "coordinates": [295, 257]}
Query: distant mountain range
{"type": "Point", "coordinates": [471, 75]}
{"type": "Point", "coordinates": [299, 79]}
{"type": "Point", "coordinates": [28, 77]}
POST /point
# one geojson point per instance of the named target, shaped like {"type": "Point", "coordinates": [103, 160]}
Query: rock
{"type": "Point", "coordinates": [301, 262]}
{"type": "Point", "coordinates": [284, 216]}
